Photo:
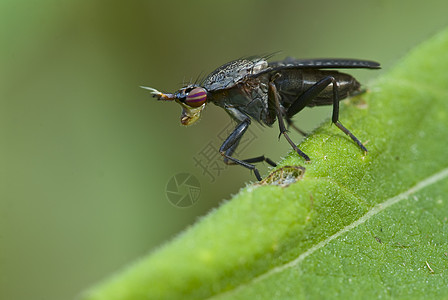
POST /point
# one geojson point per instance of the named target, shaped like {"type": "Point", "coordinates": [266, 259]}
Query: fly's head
{"type": "Point", "coordinates": [192, 98]}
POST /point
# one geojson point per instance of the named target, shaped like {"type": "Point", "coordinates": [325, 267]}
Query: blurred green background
{"type": "Point", "coordinates": [86, 154]}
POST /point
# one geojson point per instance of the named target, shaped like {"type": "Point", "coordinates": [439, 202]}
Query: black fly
{"type": "Point", "coordinates": [253, 89]}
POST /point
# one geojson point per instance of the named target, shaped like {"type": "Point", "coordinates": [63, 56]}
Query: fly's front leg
{"type": "Point", "coordinates": [274, 98]}
{"type": "Point", "coordinates": [230, 144]}
{"type": "Point", "coordinates": [309, 95]}
{"type": "Point", "coordinates": [257, 159]}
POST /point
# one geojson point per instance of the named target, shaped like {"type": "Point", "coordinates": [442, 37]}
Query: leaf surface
{"type": "Point", "coordinates": [353, 225]}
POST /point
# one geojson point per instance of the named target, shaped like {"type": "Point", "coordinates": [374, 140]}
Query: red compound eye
{"type": "Point", "coordinates": [196, 97]}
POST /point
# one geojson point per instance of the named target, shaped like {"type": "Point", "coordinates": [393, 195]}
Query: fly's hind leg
{"type": "Point", "coordinates": [309, 95]}
{"type": "Point", "coordinates": [335, 117]}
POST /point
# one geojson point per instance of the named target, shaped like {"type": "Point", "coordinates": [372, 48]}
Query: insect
{"type": "Point", "coordinates": [255, 89]}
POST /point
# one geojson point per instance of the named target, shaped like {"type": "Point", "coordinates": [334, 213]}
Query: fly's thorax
{"type": "Point", "coordinates": [249, 98]}
{"type": "Point", "coordinates": [231, 73]}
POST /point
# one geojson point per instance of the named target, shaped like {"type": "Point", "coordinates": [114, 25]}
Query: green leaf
{"type": "Point", "coordinates": [353, 225]}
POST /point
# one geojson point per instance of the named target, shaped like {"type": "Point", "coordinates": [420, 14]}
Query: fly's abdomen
{"type": "Point", "coordinates": [347, 85]}
{"type": "Point", "coordinates": [293, 83]}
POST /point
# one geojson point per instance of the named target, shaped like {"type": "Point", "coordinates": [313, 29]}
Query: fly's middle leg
{"type": "Point", "coordinates": [291, 124]}
{"type": "Point", "coordinates": [309, 95]}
